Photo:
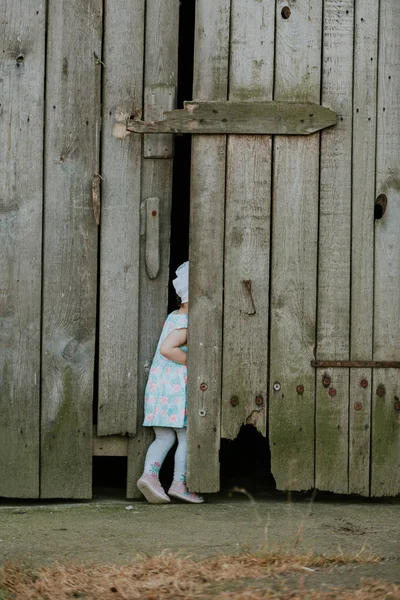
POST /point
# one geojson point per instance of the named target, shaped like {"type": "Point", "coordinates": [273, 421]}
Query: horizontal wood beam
{"type": "Point", "coordinates": [109, 445]}
{"type": "Point", "coordinates": [275, 118]}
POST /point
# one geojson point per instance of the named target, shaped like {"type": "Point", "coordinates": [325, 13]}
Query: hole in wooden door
{"type": "Point", "coordinates": [246, 462]}
{"type": "Point", "coordinates": [109, 476]}
{"type": "Point", "coordinates": [380, 206]}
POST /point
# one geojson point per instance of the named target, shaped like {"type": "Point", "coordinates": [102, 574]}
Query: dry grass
{"type": "Point", "coordinates": [170, 577]}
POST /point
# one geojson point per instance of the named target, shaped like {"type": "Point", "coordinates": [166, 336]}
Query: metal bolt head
{"type": "Point", "coordinates": [203, 387]}
{"type": "Point", "coordinates": [326, 381]}
{"type": "Point", "coordinates": [202, 412]}
{"type": "Point", "coordinates": [276, 386]}
{"type": "Point", "coordinates": [364, 383]}
{"type": "Point", "coordinates": [259, 400]}
{"type": "Point", "coordinates": [380, 390]}
{"type": "Point", "coordinates": [285, 12]}
{"type": "Point", "coordinates": [357, 405]}
{"type": "Point", "coordinates": [300, 389]}
{"type": "Point", "coordinates": [153, 213]}
{"type": "Point", "coordinates": [234, 400]}
{"type": "Point", "coordinates": [332, 392]}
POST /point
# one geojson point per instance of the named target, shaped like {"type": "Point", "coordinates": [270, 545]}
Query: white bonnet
{"type": "Point", "coordinates": [181, 283]}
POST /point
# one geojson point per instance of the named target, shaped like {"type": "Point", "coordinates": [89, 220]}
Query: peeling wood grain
{"type": "Point", "coordinates": [206, 253]}
{"type": "Point", "coordinates": [294, 254]}
{"type": "Point", "coordinates": [120, 222]}
{"type": "Point", "coordinates": [22, 60]}
{"type": "Point", "coordinates": [70, 247]}
{"type": "Point", "coordinates": [385, 452]}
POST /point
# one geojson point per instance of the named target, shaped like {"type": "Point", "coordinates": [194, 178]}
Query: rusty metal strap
{"type": "Point", "coordinates": [373, 364]}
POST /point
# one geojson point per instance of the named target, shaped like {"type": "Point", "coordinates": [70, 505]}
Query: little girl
{"type": "Point", "coordinates": [165, 403]}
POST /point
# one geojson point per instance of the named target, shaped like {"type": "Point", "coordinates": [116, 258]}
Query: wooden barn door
{"type": "Point", "coordinates": [288, 271]}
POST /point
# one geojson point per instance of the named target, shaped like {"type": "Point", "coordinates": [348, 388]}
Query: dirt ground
{"type": "Point", "coordinates": [115, 531]}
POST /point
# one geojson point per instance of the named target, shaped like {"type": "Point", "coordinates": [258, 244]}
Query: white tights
{"type": "Point", "coordinates": [165, 439]}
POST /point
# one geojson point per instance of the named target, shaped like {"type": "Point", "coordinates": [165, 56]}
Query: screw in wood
{"type": "Point", "coordinates": [259, 400]}
{"type": "Point", "coordinates": [380, 390]}
{"type": "Point", "coordinates": [277, 386]}
{"type": "Point", "coordinates": [234, 400]}
{"type": "Point", "coordinates": [285, 12]}
{"type": "Point", "coordinates": [326, 381]}
{"type": "Point", "coordinates": [153, 213]}
{"type": "Point", "coordinates": [357, 405]}
{"type": "Point", "coordinates": [202, 412]}
{"type": "Point", "coordinates": [332, 392]}
{"type": "Point", "coordinates": [300, 389]}
{"type": "Point", "coordinates": [364, 383]}
{"type": "Point", "coordinates": [203, 387]}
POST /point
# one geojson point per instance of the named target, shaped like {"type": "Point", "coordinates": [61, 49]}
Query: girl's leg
{"type": "Point", "coordinates": [149, 483]}
{"type": "Point", "coordinates": [158, 450]}
{"type": "Point", "coordinates": [178, 488]}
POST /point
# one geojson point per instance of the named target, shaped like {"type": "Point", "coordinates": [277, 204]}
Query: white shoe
{"type": "Point", "coordinates": [152, 490]}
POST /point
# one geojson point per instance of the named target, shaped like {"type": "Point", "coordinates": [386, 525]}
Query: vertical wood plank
{"type": "Point", "coordinates": [385, 476]}
{"type": "Point", "coordinates": [161, 66]}
{"type": "Point", "coordinates": [22, 59]}
{"type": "Point", "coordinates": [206, 252]}
{"type": "Point", "coordinates": [333, 340]}
{"type": "Point", "coordinates": [294, 254]}
{"type": "Point", "coordinates": [120, 218]}
{"type": "Point", "coordinates": [362, 258]}
{"type": "Point", "coordinates": [70, 246]}
{"type": "Point", "coordinates": [247, 243]}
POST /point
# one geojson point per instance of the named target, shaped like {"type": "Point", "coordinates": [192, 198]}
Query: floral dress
{"type": "Point", "coordinates": [166, 389]}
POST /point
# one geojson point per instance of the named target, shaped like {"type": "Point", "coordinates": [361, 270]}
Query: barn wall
{"type": "Point", "coordinates": [288, 263]}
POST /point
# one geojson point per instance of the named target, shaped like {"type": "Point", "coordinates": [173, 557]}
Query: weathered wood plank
{"type": "Point", "coordinates": [120, 219]}
{"type": "Point", "coordinates": [285, 118]}
{"type": "Point", "coordinates": [70, 246]}
{"type": "Point", "coordinates": [362, 257]}
{"type": "Point", "coordinates": [161, 65]}
{"type": "Point", "coordinates": [158, 99]}
{"type": "Point", "coordinates": [206, 252]}
{"type": "Point", "coordinates": [22, 60]}
{"type": "Point", "coordinates": [333, 340]}
{"type": "Point", "coordinates": [247, 225]}
{"type": "Point", "coordinates": [385, 476]}
{"type": "Point", "coordinates": [294, 254]}
{"type": "Point", "coordinates": [110, 445]}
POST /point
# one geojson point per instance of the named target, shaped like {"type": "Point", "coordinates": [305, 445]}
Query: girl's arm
{"type": "Point", "coordinates": [170, 348]}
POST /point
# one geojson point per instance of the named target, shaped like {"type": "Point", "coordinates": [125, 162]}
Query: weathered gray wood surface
{"type": "Point", "coordinates": [385, 474]}
{"type": "Point", "coordinates": [22, 59]}
{"type": "Point", "coordinates": [294, 255]}
{"type": "Point", "coordinates": [247, 226]}
{"type": "Point", "coordinates": [206, 252]}
{"type": "Point", "coordinates": [333, 340]}
{"type": "Point", "coordinates": [158, 99]}
{"type": "Point", "coordinates": [284, 118]}
{"type": "Point", "coordinates": [362, 257]}
{"type": "Point", "coordinates": [70, 246]}
{"type": "Point", "coordinates": [161, 65]}
{"type": "Point", "coordinates": [120, 219]}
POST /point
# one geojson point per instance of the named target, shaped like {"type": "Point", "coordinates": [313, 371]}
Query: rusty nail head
{"type": "Point", "coordinates": [285, 12]}
{"type": "Point", "coordinates": [364, 383]}
{"type": "Point", "coordinates": [332, 392]}
{"type": "Point", "coordinates": [234, 400]}
{"type": "Point", "coordinates": [154, 213]}
{"type": "Point", "coordinates": [358, 405]}
{"type": "Point", "coordinates": [300, 389]}
{"type": "Point", "coordinates": [259, 400]}
{"type": "Point", "coordinates": [203, 387]}
{"type": "Point", "coordinates": [380, 390]}
{"type": "Point", "coordinates": [277, 386]}
{"type": "Point", "coordinates": [326, 381]}
{"type": "Point", "coordinates": [397, 406]}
